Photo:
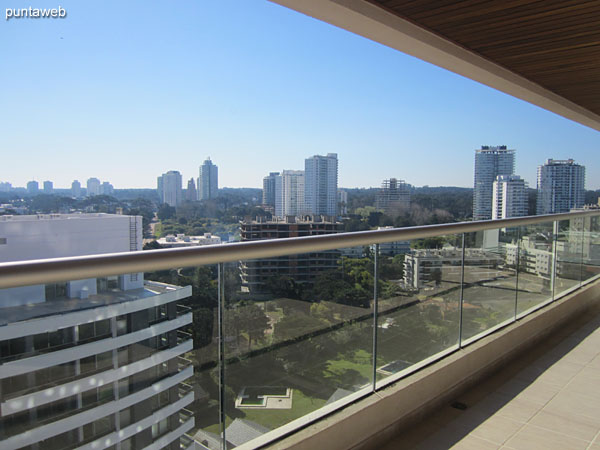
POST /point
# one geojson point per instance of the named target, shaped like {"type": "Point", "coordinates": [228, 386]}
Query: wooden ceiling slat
{"type": "Point", "coordinates": [525, 24]}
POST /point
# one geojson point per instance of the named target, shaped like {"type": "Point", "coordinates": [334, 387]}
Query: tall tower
{"type": "Point", "coordinates": [191, 194]}
{"type": "Point", "coordinates": [509, 197]}
{"type": "Point", "coordinates": [269, 189]}
{"type": "Point", "coordinates": [169, 188]}
{"type": "Point", "coordinates": [33, 187]}
{"type": "Point", "coordinates": [48, 187]}
{"type": "Point", "coordinates": [289, 193]}
{"type": "Point", "coordinates": [489, 163]}
{"type": "Point", "coordinates": [208, 180]}
{"type": "Point", "coordinates": [320, 186]}
{"type": "Point", "coordinates": [561, 186]}
{"type": "Point", "coordinates": [76, 189]}
{"type": "Point", "coordinates": [93, 187]}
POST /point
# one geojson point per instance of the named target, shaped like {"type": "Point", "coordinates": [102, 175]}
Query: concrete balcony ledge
{"type": "Point", "coordinates": [371, 422]}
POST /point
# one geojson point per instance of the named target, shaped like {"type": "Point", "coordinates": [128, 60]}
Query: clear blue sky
{"type": "Point", "coordinates": [126, 90]}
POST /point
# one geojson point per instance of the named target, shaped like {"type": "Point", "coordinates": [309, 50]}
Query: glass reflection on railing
{"type": "Point", "coordinates": [535, 266]}
{"type": "Point", "coordinates": [419, 301]}
{"type": "Point", "coordinates": [87, 362]}
{"type": "Point", "coordinates": [590, 250]}
{"type": "Point", "coordinates": [490, 280]}
{"type": "Point", "coordinates": [298, 336]}
{"type": "Point", "coordinates": [569, 246]}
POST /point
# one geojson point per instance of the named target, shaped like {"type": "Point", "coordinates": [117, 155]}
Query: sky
{"type": "Point", "coordinates": [127, 90]}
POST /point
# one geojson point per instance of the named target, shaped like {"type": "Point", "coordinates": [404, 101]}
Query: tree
{"type": "Point", "coordinates": [253, 321]}
{"type": "Point", "coordinates": [165, 212]}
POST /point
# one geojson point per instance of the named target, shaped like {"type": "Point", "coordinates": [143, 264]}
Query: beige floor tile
{"type": "Point", "coordinates": [573, 404]}
{"type": "Point", "coordinates": [586, 382]}
{"type": "Point", "coordinates": [490, 405]}
{"type": "Point", "coordinates": [531, 437]}
{"type": "Point", "coordinates": [520, 410]}
{"type": "Point", "coordinates": [474, 443]}
{"type": "Point", "coordinates": [560, 373]}
{"type": "Point", "coordinates": [580, 427]}
{"type": "Point", "coordinates": [595, 363]}
{"type": "Point", "coordinates": [539, 392]}
{"type": "Point", "coordinates": [497, 429]}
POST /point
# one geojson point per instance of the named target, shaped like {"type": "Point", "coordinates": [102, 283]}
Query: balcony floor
{"type": "Point", "coordinates": [546, 399]}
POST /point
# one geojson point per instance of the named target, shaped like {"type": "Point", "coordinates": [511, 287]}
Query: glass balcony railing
{"type": "Point", "coordinates": [282, 332]}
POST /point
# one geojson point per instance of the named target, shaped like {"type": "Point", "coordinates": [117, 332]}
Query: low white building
{"type": "Point", "coordinates": [181, 240]}
{"type": "Point", "coordinates": [92, 363]}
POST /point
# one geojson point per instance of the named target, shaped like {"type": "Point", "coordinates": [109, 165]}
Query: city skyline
{"type": "Point", "coordinates": [243, 100]}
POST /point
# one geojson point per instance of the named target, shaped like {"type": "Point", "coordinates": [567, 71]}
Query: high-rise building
{"type": "Point", "coordinates": [169, 188]}
{"type": "Point", "coordinates": [208, 181]}
{"type": "Point", "coordinates": [5, 186]}
{"type": "Point", "coordinates": [33, 187]}
{"type": "Point", "coordinates": [93, 187]}
{"type": "Point", "coordinates": [94, 363]}
{"type": "Point", "coordinates": [489, 163]}
{"type": "Point", "coordinates": [76, 189]}
{"type": "Point", "coordinates": [560, 186]}
{"type": "Point", "coordinates": [48, 187]}
{"type": "Point", "coordinates": [289, 193]}
{"type": "Point", "coordinates": [320, 184]}
{"type": "Point", "coordinates": [190, 193]}
{"type": "Point", "coordinates": [268, 194]}
{"type": "Point", "coordinates": [510, 198]}
{"type": "Point", "coordinates": [342, 202]}
{"type": "Point", "coordinates": [106, 188]}
{"type": "Point", "coordinates": [394, 197]}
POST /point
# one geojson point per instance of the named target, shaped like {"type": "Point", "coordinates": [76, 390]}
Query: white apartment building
{"type": "Point", "coordinates": [95, 363]}
{"type": "Point", "coordinates": [509, 197]}
{"type": "Point", "coordinates": [269, 185]}
{"type": "Point", "coordinates": [76, 189]}
{"type": "Point", "coordinates": [342, 202]}
{"type": "Point", "coordinates": [321, 184]}
{"type": "Point", "coordinates": [289, 193]}
{"type": "Point", "coordinates": [33, 187]}
{"type": "Point", "coordinates": [424, 266]}
{"type": "Point", "coordinates": [93, 187]}
{"type": "Point", "coordinates": [48, 187]}
{"type": "Point", "coordinates": [561, 186]}
{"type": "Point", "coordinates": [181, 240]}
{"type": "Point", "coordinates": [489, 163]}
{"type": "Point", "coordinates": [169, 188]}
{"type": "Point", "coordinates": [208, 180]}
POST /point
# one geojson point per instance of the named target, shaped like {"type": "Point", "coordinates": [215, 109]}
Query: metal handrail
{"type": "Point", "coordinates": [45, 271]}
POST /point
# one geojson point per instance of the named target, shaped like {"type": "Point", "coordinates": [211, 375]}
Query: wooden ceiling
{"type": "Point", "coordinates": [555, 44]}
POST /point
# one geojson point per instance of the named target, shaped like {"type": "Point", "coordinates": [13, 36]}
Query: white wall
{"type": "Point", "coordinates": [65, 235]}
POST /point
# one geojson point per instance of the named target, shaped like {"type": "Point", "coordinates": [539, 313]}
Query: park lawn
{"type": "Point", "coordinates": [361, 363]}
{"type": "Point", "coordinates": [302, 404]}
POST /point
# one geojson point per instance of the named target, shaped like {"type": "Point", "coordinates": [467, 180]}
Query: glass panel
{"type": "Point", "coordinates": [204, 357]}
{"type": "Point", "coordinates": [536, 264]}
{"type": "Point", "coordinates": [490, 280]}
{"type": "Point", "coordinates": [568, 255]}
{"type": "Point", "coordinates": [590, 248]}
{"type": "Point", "coordinates": [68, 373]}
{"type": "Point", "coordinates": [419, 297]}
{"type": "Point", "coordinates": [298, 335]}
